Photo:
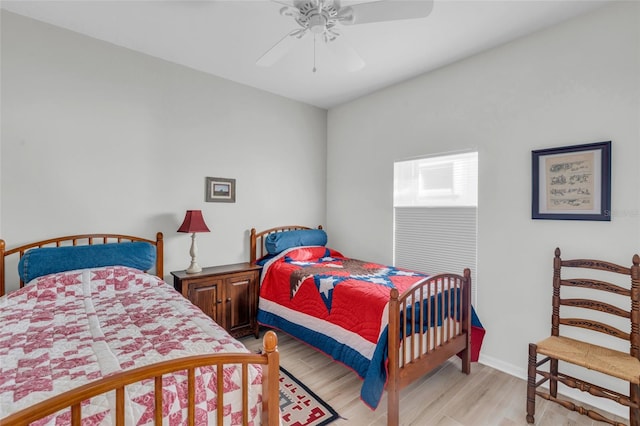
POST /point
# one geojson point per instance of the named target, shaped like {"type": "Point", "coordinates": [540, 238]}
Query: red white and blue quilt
{"type": "Point", "coordinates": [338, 305]}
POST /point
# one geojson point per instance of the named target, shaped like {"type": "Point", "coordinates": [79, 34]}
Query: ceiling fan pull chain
{"type": "Point", "coordinates": [314, 52]}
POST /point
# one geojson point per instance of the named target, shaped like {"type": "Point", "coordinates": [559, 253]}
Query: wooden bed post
{"type": "Point", "coordinates": [271, 380]}
{"type": "Point", "coordinates": [252, 242]}
{"type": "Point", "coordinates": [2, 247]}
{"type": "Point", "coordinates": [466, 322]}
{"type": "Point", "coordinates": [393, 393]}
{"type": "Point", "coordinates": [159, 256]}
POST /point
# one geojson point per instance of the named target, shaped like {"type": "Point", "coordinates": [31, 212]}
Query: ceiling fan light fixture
{"type": "Point", "coordinates": [317, 23]}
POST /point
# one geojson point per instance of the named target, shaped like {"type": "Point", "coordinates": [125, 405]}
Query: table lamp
{"type": "Point", "coordinates": [193, 222]}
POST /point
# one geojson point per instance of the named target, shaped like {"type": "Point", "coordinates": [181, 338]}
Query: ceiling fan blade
{"type": "Point", "coordinates": [278, 50]}
{"type": "Point", "coordinates": [346, 54]}
{"type": "Point", "coordinates": [385, 10]}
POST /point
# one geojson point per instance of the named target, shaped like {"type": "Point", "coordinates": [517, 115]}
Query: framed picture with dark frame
{"type": "Point", "coordinates": [572, 182]}
{"type": "Point", "coordinates": [220, 190]}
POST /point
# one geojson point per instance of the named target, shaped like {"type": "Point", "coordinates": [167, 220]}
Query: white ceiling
{"type": "Point", "coordinates": [225, 38]}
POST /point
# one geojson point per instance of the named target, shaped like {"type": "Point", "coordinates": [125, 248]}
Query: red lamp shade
{"type": "Point", "coordinates": [193, 222]}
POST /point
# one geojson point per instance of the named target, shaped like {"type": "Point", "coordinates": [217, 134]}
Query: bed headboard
{"type": "Point", "coordinates": [79, 240]}
{"type": "Point", "coordinates": [257, 239]}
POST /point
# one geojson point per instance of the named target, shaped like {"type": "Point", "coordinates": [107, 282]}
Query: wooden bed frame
{"type": "Point", "coordinates": [117, 382]}
{"type": "Point", "coordinates": [415, 358]}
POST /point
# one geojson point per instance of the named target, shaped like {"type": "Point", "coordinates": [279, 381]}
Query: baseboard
{"type": "Point", "coordinates": [521, 373]}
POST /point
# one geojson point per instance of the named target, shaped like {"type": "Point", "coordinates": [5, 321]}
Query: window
{"type": "Point", "coordinates": [435, 214]}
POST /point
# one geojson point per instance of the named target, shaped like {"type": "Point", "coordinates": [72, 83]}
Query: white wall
{"type": "Point", "coordinates": [97, 138]}
{"type": "Point", "coordinates": [575, 83]}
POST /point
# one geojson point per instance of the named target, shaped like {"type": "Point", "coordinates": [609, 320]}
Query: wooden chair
{"type": "Point", "coordinates": [621, 365]}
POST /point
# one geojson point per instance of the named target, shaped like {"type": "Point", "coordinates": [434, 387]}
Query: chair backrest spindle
{"type": "Point", "coordinates": [635, 307]}
{"type": "Point", "coordinates": [555, 317]}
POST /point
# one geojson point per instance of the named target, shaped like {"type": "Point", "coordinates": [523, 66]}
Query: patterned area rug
{"type": "Point", "coordinates": [300, 406]}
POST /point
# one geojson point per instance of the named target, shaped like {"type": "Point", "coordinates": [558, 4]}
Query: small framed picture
{"type": "Point", "coordinates": [572, 182]}
{"type": "Point", "coordinates": [220, 190]}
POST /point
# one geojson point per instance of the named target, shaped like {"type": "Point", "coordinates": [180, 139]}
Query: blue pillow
{"type": "Point", "coordinates": [49, 260]}
{"type": "Point", "coordinates": [279, 241]}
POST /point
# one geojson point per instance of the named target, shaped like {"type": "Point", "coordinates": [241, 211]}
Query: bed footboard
{"type": "Point", "coordinates": [428, 324]}
{"type": "Point", "coordinates": [73, 399]}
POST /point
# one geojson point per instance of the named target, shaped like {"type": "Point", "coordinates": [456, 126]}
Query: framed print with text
{"type": "Point", "coordinates": [572, 182]}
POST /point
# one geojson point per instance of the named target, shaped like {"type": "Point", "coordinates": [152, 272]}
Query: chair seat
{"type": "Point", "coordinates": [608, 361]}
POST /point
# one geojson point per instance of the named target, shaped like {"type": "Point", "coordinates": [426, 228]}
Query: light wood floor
{"type": "Point", "coordinates": [445, 397]}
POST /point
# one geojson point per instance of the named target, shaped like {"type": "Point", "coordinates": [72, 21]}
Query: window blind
{"type": "Point", "coordinates": [435, 214]}
{"type": "Point", "coordinates": [437, 239]}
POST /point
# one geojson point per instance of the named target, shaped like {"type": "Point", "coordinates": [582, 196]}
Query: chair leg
{"type": "Point", "coordinates": [553, 383]}
{"type": "Point", "coordinates": [531, 382]}
{"type": "Point", "coordinates": [634, 413]}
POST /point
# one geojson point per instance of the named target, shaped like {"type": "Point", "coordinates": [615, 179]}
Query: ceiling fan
{"type": "Point", "coordinates": [323, 17]}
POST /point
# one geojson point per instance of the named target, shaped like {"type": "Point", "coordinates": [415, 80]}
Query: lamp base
{"type": "Point", "coordinates": [194, 268]}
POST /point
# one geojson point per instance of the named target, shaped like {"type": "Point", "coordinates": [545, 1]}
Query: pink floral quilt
{"type": "Point", "coordinates": [64, 330]}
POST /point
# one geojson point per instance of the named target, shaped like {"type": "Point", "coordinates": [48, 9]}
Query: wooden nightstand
{"type": "Point", "coordinates": [227, 293]}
